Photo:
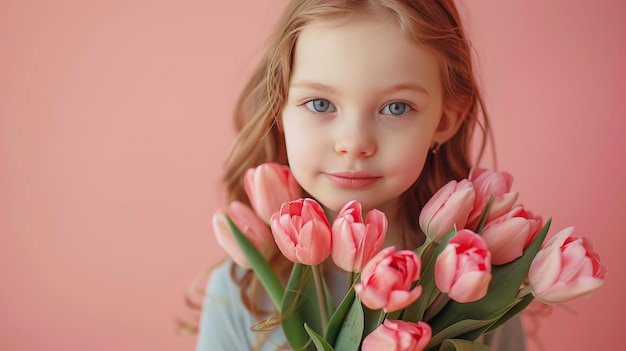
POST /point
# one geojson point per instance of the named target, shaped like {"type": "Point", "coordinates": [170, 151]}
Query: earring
{"type": "Point", "coordinates": [435, 148]}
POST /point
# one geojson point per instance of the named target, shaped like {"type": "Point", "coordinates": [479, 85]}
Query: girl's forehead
{"type": "Point", "coordinates": [361, 53]}
{"type": "Point", "coordinates": [364, 20]}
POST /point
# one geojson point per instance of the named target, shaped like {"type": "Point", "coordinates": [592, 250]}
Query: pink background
{"type": "Point", "coordinates": [115, 121]}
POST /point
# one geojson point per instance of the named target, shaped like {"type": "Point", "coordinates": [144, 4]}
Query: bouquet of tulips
{"type": "Point", "coordinates": [485, 258]}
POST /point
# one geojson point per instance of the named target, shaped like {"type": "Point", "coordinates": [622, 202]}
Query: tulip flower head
{"type": "Point", "coordinates": [397, 335]}
{"type": "Point", "coordinates": [489, 183]}
{"type": "Point", "coordinates": [250, 225]}
{"type": "Point", "coordinates": [268, 186]}
{"type": "Point", "coordinates": [387, 278]}
{"type": "Point", "coordinates": [356, 241]}
{"type": "Point", "coordinates": [510, 234]}
{"type": "Point", "coordinates": [566, 268]}
{"type": "Point", "coordinates": [449, 207]}
{"type": "Point", "coordinates": [302, 232]}
{"type": "Point", "coordinates": [463, 268]}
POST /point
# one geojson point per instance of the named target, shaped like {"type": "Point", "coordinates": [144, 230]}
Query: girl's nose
{"type": "Point", "coordinates": [355, 139]}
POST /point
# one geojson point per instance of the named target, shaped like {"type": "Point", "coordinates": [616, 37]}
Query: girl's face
{"type": "Point", "coordinates": [364, 107]}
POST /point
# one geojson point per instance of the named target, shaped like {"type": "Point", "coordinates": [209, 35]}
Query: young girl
{"type": "Point", "coordinates": [367, 100]}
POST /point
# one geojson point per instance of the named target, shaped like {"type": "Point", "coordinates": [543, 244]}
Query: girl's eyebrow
{"type": "Point", "coordinates": [407, 86]}
{"type": "Point", "coordinates": [332, 90]}
{"type": "Point", "coordinates": [305, 84]}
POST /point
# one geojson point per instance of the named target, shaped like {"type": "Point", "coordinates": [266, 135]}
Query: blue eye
{"type": "Point", "coordinates": [396, 109]}
{"type": "Point", "coordinates": [320, 105]}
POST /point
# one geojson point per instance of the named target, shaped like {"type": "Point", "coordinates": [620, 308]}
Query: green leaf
{"type": "Point", "coordinates": [518, 308]}
{"type": "Point", "coordinates": [426, 246]}
{"type": "Point", "coordinates": [372, 319]}
{"type": "Point", "coordinates": [501, 295]}
{"type": "Point", "coordinates": [351, 333]}
{"type": "Point", "coordinates": [260, 266]}
{"type": "Point", "coordinates": [299, 306]}
{"type": "Point", "coordinates": [458, 328]}
{"type": "Point", "coordinates": [481, 328]}
{"type": "Point", "coordinates": [337, 318]}
{"type": "Point", "coordinates": [462, 345]}
{"type": "Point", "coordinates": [318, 341]}
{"type": "Point", "coordinates": [483, 218]}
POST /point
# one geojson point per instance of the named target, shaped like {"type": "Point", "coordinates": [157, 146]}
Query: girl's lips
{"type": "Point", "coordinates": [353, 180]}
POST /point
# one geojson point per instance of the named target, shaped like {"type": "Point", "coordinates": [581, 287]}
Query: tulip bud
{"type": "Point", "coordinates": [463, 268]}
{"type": "Point", "coordinates": [489, 183]}
{"type": "Point", "coordinates": [250, 225]}
{"type": "Point", "coordinates": [302, 232]}
{"type": "Point", "coordinates": [510, 234]}
{"type": "Point", "coordinates": [387, 278]}
{"type": "Point", "coordinates": [268, 186]}
{"type": "Point", "coordinates": [566, 268]}
{"type": "Point", "coordinates": [356, 241]}
{"type": "Point", "coordinates": [397, 335]}
{"type": "Point", "coordinates": [449, 207]}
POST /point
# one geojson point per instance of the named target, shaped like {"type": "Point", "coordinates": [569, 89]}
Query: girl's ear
{"type": "Point", "coordinates": [451, 119]}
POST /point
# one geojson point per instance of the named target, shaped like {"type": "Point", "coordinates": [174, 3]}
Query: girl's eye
{"type": "Point", "coordinates": [396, 109]}
{"type": "Point", "coordinates": [320, 105]}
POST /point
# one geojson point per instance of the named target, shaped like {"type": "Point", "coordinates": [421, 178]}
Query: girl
{"type": "Point", "coordinates": [368, 100]}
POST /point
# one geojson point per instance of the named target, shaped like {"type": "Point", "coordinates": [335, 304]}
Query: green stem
{"type": "Point", "coordinates": [483, 218]}
{"type": "Point", "coordinates": [381, 317]}
{"type": "Point", "coordinates": [436, 306]}
{"type": "Point", "coordinates": [321, 297]}
{"type": "Point", "coordinates": [427, 250]}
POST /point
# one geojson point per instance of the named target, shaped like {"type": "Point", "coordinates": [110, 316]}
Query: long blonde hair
{"type": "Point", "coordinates": [432, 24]}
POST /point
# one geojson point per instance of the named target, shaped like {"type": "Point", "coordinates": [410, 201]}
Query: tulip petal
{"type": "Point", "coordinates": [370, 297]}
{"type": "Point", "coordinates": [399, 299]}
{"type": "Point", "coordinates": [434, 204]}
{"type": "Point", "coordinates": [445, 268]}
{"type": "Point", "coordinates": [507, 240]}
{"type": "Point", "coordinates": [561, 292]}
{"type": "Point", "coordinates": [344, 250]}
{"type": "Point", "coordinates": [471, 286]}
{"type": "Point", "coordinates": [546, 266]}
{"type": "Point", "coordinates": [227, 241]}
{"type": "Point", "coordinates": [544, 269]}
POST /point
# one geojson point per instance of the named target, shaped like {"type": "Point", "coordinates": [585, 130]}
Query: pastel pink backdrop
{"type": "Point", "coordinates": [115, 118]}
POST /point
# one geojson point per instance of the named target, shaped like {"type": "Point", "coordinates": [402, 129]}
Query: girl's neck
{"type": "Point", "coordinates": [397, 231]}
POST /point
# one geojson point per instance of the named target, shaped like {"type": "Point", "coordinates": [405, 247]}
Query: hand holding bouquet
{"type": "Point", "coordinates": [484, 260]}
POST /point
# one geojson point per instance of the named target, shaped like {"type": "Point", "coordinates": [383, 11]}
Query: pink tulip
{"type": "Point", "coordinates": [355, 242]}
{"type": "Point", "coordinates": [449, 207]}
{"type": "Point", "coordinates": [566, 268]}
{"type": "Point", "coordinates": [250, 225]}
{"type": "Point", "coordinates": [387, 278]}
{"type": "Point", "coordinates": [268, 186]}
{"type": "Point", "coordinates": [463, 268]}
{"type": "Point", "coordinates": [302, 232]}
{"type": "Point", "coordinates": [487, 183]}
{"type": "Point", "coordinates": [510, 234]}
{"type": "Point", "coordinates": [397, 335]}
